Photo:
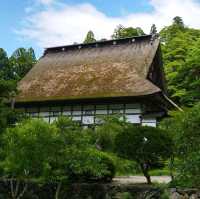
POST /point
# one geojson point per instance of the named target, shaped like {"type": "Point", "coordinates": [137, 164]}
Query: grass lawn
{"type": "Point", "coordinates": [129, 168]}
{"type": "Point", "coordinates": [160, 172]}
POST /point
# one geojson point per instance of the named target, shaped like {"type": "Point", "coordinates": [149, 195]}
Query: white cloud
{"type": "Point", "coordinates": [65, 24]}
{"type": "Point", "coordinates": [45, 2]}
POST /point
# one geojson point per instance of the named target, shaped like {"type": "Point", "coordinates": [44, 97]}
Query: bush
{"type": "Point", "coordinates": [105, 133]}
{"type": "Point", "coordinates": [72, 133]}
{"type": "Point", "coordinates": [123, 166]}
{"type": "Point", "coordinates": [90, 165]}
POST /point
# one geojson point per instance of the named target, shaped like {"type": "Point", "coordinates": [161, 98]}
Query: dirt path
{"type": "Point", "coordinates": [141, 179]}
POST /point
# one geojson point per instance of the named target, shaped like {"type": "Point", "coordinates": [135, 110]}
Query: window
{"type": "Point", "coordinates": [88, 119]}
{"type": "Point", "coordinates": [88, 110]}
{"type": "Point", "coordinates": [130, 111]}
{"type": "Point", "coordinates": [133, 118]}
{"type": "Point", "coordinates": [116, 111]}
{"type": "Point", "coordinates": [76, 118]}
{"type": "Point", "coordinates": [149, 122]}
{"type": "Point", "coordinates": [101, 112]}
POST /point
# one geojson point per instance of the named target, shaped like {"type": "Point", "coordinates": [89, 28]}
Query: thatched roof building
{"type": "Point", "coordinates": [113, 71]}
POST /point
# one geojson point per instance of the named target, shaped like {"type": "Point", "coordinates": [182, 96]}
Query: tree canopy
{"type": "Point", "coordinates": [184, 128]}
{"type": "Point", "coordinates": [153, 29]}
{"type": "Point", "coordinates": [89, 37]}
{"type": "Point", "coordinates": [16, 66]}
{"type": "Point", "coordinates": [145, 145]}
{"type": "Point", "coordinates": [4, 61]}
{"type": "Point", "coordinates": [21, 61]}
{"type": "Point", "coordinates": [180, 46]}
{"type": "Point", "coordinates": [122, 32]}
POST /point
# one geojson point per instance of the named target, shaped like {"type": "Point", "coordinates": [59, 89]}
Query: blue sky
{"type": "Point", "coordinates": [43, 23]}
{"type": "Point", "coordinates": [116, 7]}
{"type": "Point", "coordinates": [11, 16]}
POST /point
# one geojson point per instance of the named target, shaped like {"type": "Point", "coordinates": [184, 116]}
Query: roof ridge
{"type": "Point", "coordinates": [99, 43]}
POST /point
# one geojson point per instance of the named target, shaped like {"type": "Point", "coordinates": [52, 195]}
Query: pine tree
{"type": "Point", "coordinates": [89, 37]}
{"type": "Point", "coordinates": [153, 30]}
{"type": "Point", "coordinates": [178, 21]}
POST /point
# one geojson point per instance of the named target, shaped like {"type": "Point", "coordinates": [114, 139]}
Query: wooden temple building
{"type": "Point", "coordinates": [85, 81]}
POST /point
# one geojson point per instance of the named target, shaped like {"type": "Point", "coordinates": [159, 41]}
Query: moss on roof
{"type": "Point", "coordinates": [110, 70]}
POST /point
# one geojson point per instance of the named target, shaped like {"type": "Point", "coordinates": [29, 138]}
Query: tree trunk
{"type": "Point", "coordinates": [171, 167]}
{"type": "Point", "coordinates": [23, 191]}
{"type": "Point", "coordinates": [58, 190]}
{"type": "Point", "coordinates": [145, 171]}
{"type": "Point", "coordinates": [15, 191]}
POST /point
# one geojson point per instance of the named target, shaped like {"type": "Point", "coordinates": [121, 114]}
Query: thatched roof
{"type": "Point", "coordinates": [113, 68]}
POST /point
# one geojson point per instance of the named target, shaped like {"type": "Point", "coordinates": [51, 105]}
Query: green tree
{"type": "Point", "coordinates": [145, 145]}
{"type": "Point", "coordinates": [89, 164]}
{"type": "Point", "coordinates": [89, 37]}
{"type": "Point", "coordinates": [82, 160]}
{"type": "Point", "coordinates": [4, 61]}
{"type": "Point", "coordinates": [122, 32]}
{"type": "Point", "coordinates": [21, 61]}
{"type": "Point", "coordinates": [72, 133]}
{"type": "Point", "coordinates": [5, 67]}
{"type": "Point", "coordinates": [177, 42]}
{"type": "Point", "coordinates": [8, 116]}
{"type": "Point", "coordinates": [178, 21]}
{"type": "Point", "coordinates": [189, 76]}
{"type": "Point", "coordinates": [153, 29]}
{"type": "Point", "coordinates": [184, 127]}
{"type": "Point", "coordinates": [30, 150]}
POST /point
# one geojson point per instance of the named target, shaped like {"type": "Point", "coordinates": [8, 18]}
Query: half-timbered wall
{"type": "Point", "coordinates": [91, 114]}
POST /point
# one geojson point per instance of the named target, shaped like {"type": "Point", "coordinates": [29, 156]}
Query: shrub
{"type": "Point", "coordinates": [72, 134]}
{"type": "Point", "coordinates": [123, 166]}
{"type": "Point", "coordinates": [83, 162]}
{"type": "Point", "coordinates": [90, 165]}
{"type": "Point", "coordinates": [107, 131]}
